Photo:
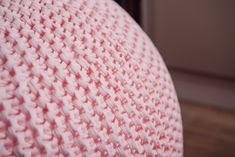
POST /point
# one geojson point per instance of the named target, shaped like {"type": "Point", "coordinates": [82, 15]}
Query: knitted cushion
{"type": "Point", "coordinates": [80, 78]}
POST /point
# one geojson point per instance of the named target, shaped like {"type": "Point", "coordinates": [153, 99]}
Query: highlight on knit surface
{"type": "Point", "coordinates": [80, 78]}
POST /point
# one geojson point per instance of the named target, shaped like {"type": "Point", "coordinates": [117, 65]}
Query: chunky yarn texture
{"type": "Point", "coordinates": [80, 78]}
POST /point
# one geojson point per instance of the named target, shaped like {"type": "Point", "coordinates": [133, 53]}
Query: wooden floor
{"type": "Point", "coordinates": [208, 132]}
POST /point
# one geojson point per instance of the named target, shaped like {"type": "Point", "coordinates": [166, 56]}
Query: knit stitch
{"type": "Point", "coordinates": [80, 78]}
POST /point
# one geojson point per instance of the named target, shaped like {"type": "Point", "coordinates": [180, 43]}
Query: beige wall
{"type": "Point", "coordinates": [197, 40]}
{"type": "Point", "coordinates": [197, 35]}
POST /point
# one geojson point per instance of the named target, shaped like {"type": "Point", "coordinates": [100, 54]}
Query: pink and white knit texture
{"type": "Point", "coordinates": [80, 78]}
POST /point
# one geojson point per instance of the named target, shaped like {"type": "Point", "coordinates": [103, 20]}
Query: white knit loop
{"type": "Point", "coordinates": [80, 78]}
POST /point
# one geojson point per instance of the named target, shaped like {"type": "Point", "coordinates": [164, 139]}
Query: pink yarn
{"type": "Point", "coordinates": [80, 78]}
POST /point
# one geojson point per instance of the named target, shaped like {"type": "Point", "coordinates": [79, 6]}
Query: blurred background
{"type": "Point", "coordinates": [197, 41]}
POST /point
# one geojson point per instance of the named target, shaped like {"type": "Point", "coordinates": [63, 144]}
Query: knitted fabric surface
{"type": "Point", "coordinates": [80, 78]}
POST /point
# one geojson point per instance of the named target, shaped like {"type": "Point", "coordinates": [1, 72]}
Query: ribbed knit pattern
{"type": "Point", "coordinates": [80, 78]}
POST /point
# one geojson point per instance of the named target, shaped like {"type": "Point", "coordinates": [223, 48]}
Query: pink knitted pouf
{"type": "Point", "coordinates": [80, 78]}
